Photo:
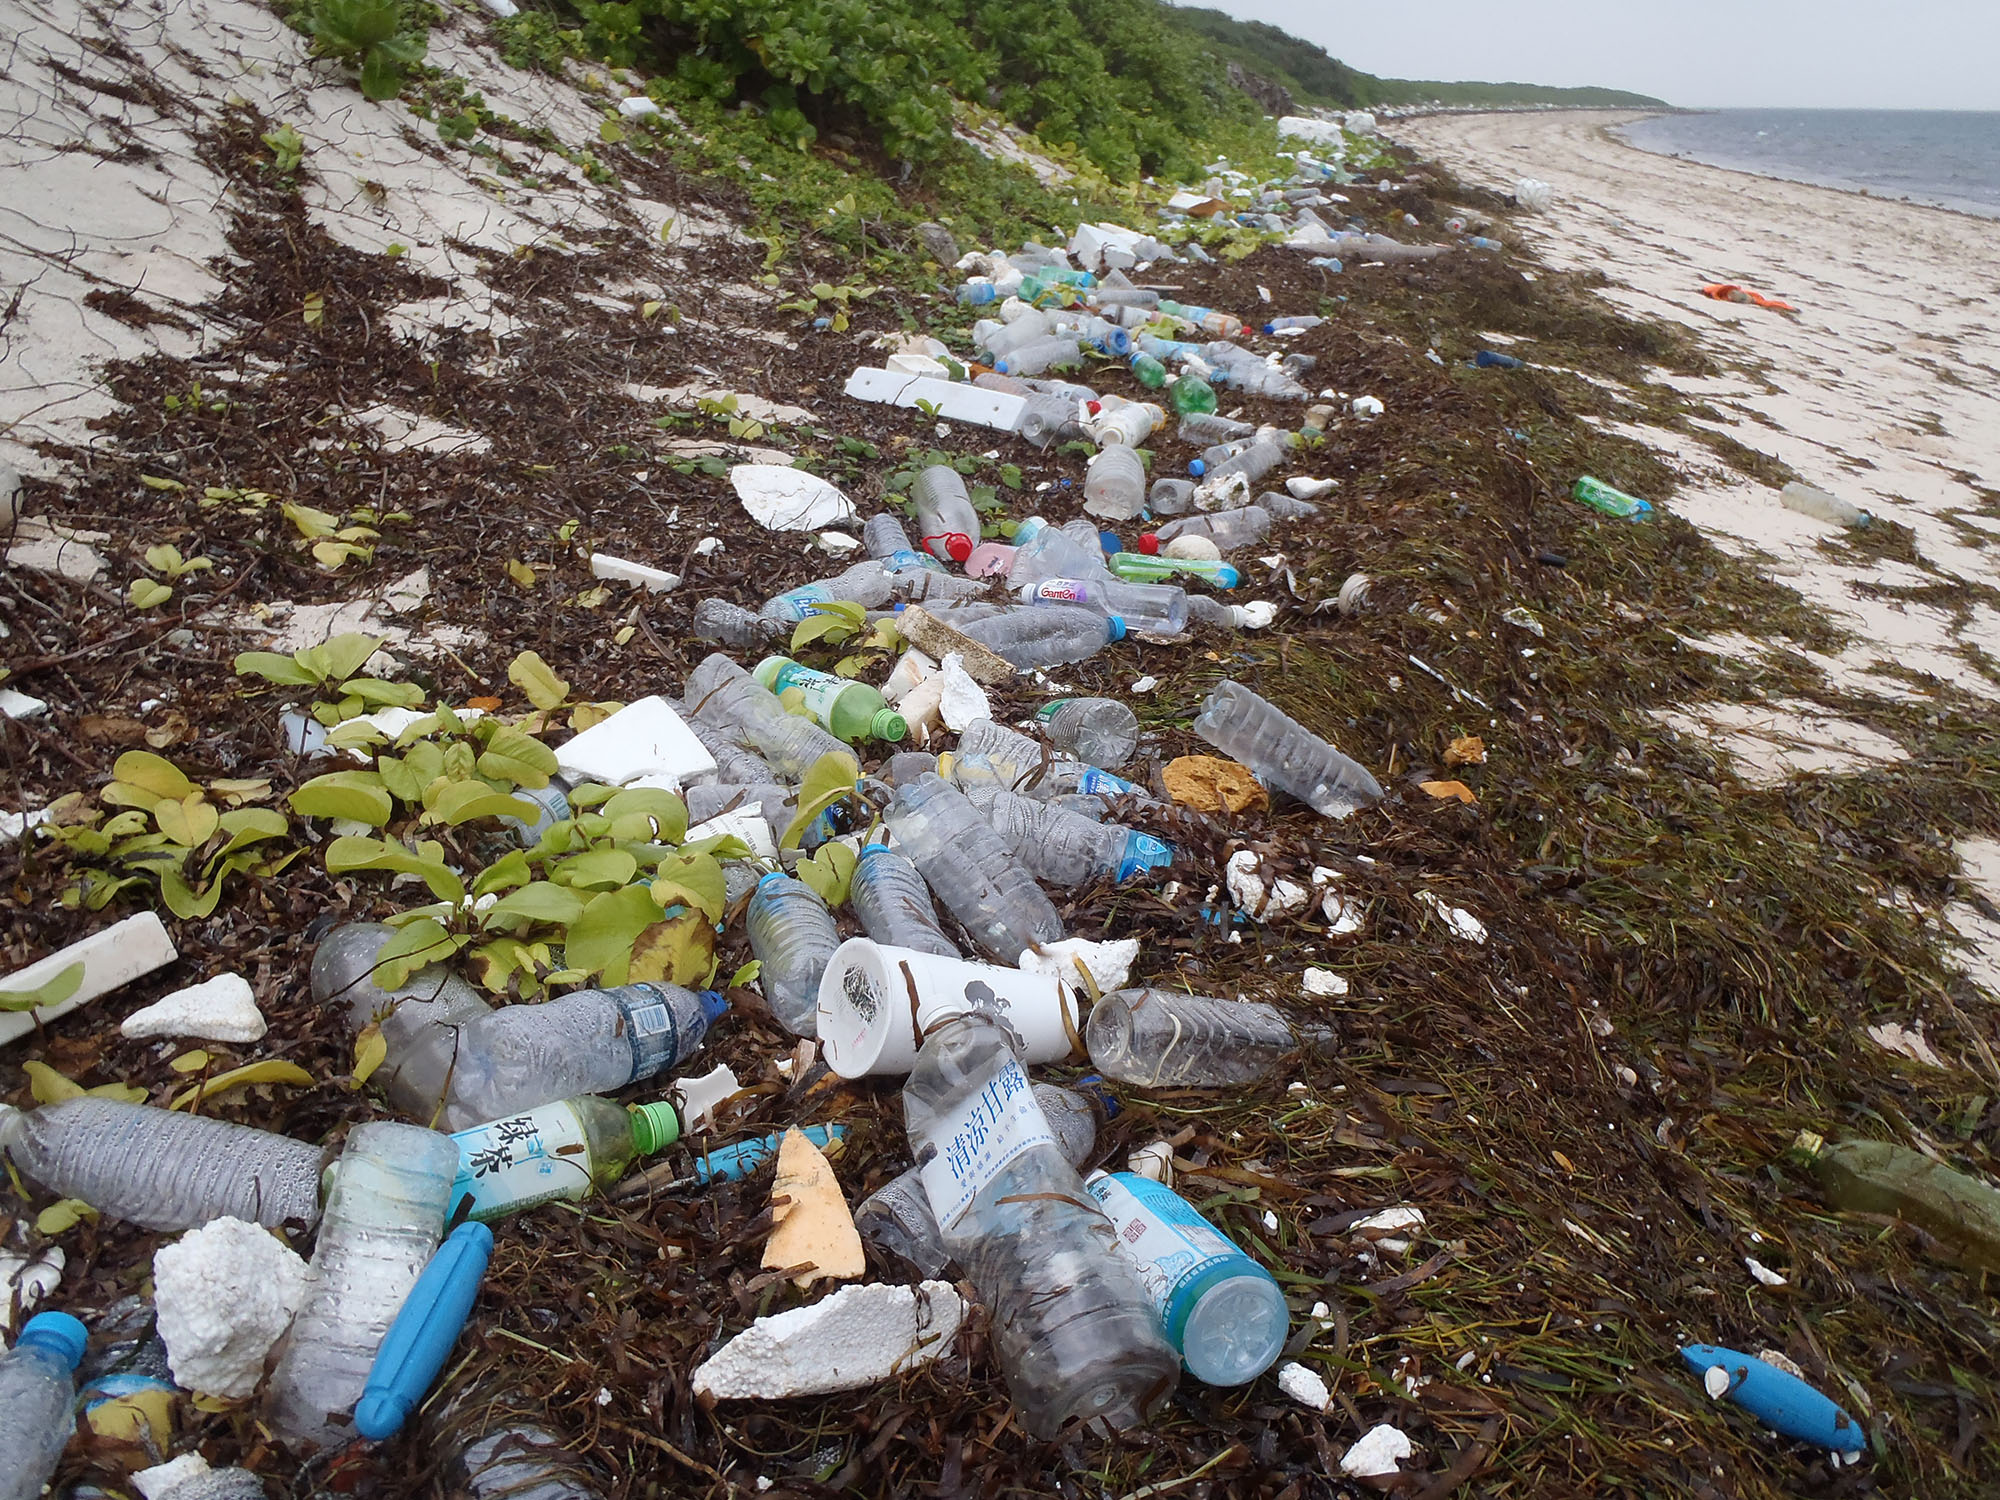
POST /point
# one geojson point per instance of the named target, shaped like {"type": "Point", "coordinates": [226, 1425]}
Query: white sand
{"type": "Point", "coordinates": [1885, 388]}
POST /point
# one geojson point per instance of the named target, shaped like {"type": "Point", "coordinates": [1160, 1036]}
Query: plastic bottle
{"type": "Point", "coordinates": [37, 1389]}
{"type": "Point", "coordinates": [1821, 506]}
{"type": "Point", "coordinates": [720, 691]}
{"type": "Point", "coordinates": [947, 525]}
{"type": "Point", "coordinates": [1243, 527]}
{"type": "Point", "coordinates": [1067, 850]}
{"type": "Point", "coordinates": [1115, 484]}
{"type": "Point", "coordinates": [1036, 773]}
{"type": "Point", "coordinates": [867, 582]}
{"type": "Point", "coordinates": [1101, 731]}
{"type": "Point", "coordinates": [1047, 420]}
{"type": "Point", "coordinates": [1142, 567]}
{"type": "Point", "coordinates": [1073, 1328]}
{"type": "Point", "coordinates": [793, 935]}
{"type": "Point", "coordinates": [565, 1150]}
{"type": "Point", "coordinates": [1045, 551]}
{"type": "Point", "coordinates": [977, 293]}
{"type": "Point", "coordinates": [1124, 424]}
{"type": "Point", "coordinates": [882, 536]}
{"type": "Point", "coordinates": [852, 710]}
{"type": "Point", "coordinates": [969, 868]}
{"type": "Point", "coordinates": [1170, 497]}
{"type": "Point", "coordinates": [1215, 324]}
{"type": "Point", "coordinates": [1283, 507]}
{"type": "Point", "coordinates": [732, 625]}
{"type": "Point", "coordinates": [1150, 372]}
{"type": "Point", "coordinates": [1031, 325]}
{"type": "Point", "coordinates": [1165, 1039]}
{"type": "Point", "coordinates": [1600, 496]}
{"type": "Point", "coordinates": [384, 1217]}
{"type": "Point", "coordinates": [1047, 636]}
{"type": "Point", "coordinates": [162, 1169]}
{"type": "Point", "coordinates": [1193, 395]}
{"type": "Point", "coordinates": [1155, 608]}
{"type": "Point", "coordinates": [1102, 334]}
{"type": "Point", "coordinates": [1047, 353]}
{"type": "Point", "coordinates": [1284, 754]}
{"type": "Point", "coordinates": [1207, 427]}
{"type": "Point", "coordinates": [897, 1216]}
{"type": "Point", "coordinates": [769, 800]}
{"type": "Point", "coordinates": [421, 1020]}
{"type": "Point", "coordinates": [586, 1042]}
{"type": "Point", "coordinates": [888, 894]}
{"type": "Point", "coordinates": [1254, 462]}
{"type": "Point", "coordinates": [1285, 325]}
{"type": "Point", "coordinates": [1878, 1177]}
{"type": "Point", "coordinates": [1222, 1310]}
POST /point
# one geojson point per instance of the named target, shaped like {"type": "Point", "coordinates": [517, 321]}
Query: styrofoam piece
{"type": "Point", "coordinates": [695, 1099]}
{"type": "Point", "coordinates": [225, 1294]}
{"type": "Point", "coordinates": [917, 364]}
{"type": "Point", "coordinates": [222, 1009]}
{"type": "Point", "coordinates": [813, 1227]}
{"type": "Point", "coordinates": [875, 1001]}
{"type": "Point", "coordinates": [1304, 1386]}
{"type": "Point", "coordinates": [1375, 1453]}
{"type": "Point", "coordinates": [858, 1337]}
{"type": "Point", "coordinates": [780, 498]}
{"type": "Point", "coordinates": [393, 721]}
{"type": "Point", "coordinates": [27, 1279]}
{"type": "Point", "coordinates": [954, 402]}
{"type": "Point", "coordinates": [1265, 900]}
{"type": "Point", "coordinates": [961, 700]}
{"type": "Point", "coordinates": [17, 705]}
{"type": "Point", "coordinates": [1303, 488]}
{"type": "Point", "coordinates": [160, 1481]}
{"type": "Point", "coordinates": [838, 543]}
{"type": "Point", "coordinates": [1461, 923]}
{"type": "Point", "coordinates": [622, 570]}
{"type": "Point", "coordinates": [1323, 982]}
{"type": "Point", "coordinates": [646, 738]}
{"type": "Point", "coordinates": [744, 823]}
{"type": "Point", "coordinates": [1109, 964]}
{"type": "Point", "coordinates": [112, 957]}
{"type": "Point", "coordinates": [1154, 1160]}
{"type": "Point", "coordinates": [636, 106]}
{"type": "Point", "coordinates": [1318, 132]}
{"type": "Point", "coordinates": [1367, 406]}
{"type": "Point", "coordinates": [13, 824]}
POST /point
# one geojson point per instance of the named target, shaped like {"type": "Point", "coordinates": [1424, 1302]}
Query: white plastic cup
{"type": "Point", "coordinates": [876, 1002]}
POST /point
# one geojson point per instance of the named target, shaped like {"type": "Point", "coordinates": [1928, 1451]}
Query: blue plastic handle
{"type": "Point", "coordinates": [420, 1340]}
{"type": "Point", "coordinates": [1781, 1401]}
{"type": "Point", "coordinates": [734, 1163]}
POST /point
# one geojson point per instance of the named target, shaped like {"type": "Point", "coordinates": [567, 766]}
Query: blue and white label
{"type": "Point", "coordinates": [980, 1140]}
{"type": "Point", "coordinates": [1167, 1240]}
{"type": "Point", "coordinates": [653, 1028]}
{"type": "Point", "coordinates": [534, 1157]}
{"type": "Point", "coordinates": [798, 603]}
{"type": "Point", "coordinates": [1103, 783]}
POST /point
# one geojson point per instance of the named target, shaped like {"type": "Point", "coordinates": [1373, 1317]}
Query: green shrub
{"type": "Point", "coordinates": [383, 39]}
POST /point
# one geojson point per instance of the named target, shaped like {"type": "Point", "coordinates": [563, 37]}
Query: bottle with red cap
{"type": "Point", "coordinates": [947, 525]}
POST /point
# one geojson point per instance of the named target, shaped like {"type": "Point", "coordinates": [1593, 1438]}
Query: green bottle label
{"type": "Point", "coordinates": [537, 1156]}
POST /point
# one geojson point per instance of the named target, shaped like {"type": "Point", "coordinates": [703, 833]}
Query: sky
{"type": "Point", "coordinates": [1787, 54]}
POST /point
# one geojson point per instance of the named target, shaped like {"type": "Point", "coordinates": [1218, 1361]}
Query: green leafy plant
{"type": "Point", "coordinates": [333, 668]}
{"type": "Point", "coordinates": [58, 989]}
{"type": "Point", "coordinates": [838, 297]}
{"type": "Point", "coordinates": [332, 539]}
{"type": "Point", "coordinates": [828, 782]}
{"type": "Point", "coordinates": [288, 149]}
{"type": "Point", "coordinates": [379, 38]}
{"type": "Point", "coordinates": [728, 410]}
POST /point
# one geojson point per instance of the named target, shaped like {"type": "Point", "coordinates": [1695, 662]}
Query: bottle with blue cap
{"type": "Point", "coordinates": [792, 935]}
{"type": "Point", "coordinates": [1047, 635]}
{"type": "Point", "coordinates": [37, 1394]}
{"type": "Point", "coordinates": [1101, 731]}
{"type": "Point", "coordinates": [1222, 1310]}
{"type": "Point", "coordinates": [1146, 567]}
{"type": "Point", "coordinates": [1155, 608]}
{"type": "Point", "coordinates": [969, 866]}
{"type": "Point", "coordinates": [587, 1042]}
{"type": "Point", "coordinates": [888, 894]}
{"type": "Point", "coordinates": [565, 1150]}
{"type": "Point", "coordinates": [1066, 849]}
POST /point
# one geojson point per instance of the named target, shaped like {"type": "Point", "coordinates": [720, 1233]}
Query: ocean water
{"type": "Point", "coordinates": [1944, 157]}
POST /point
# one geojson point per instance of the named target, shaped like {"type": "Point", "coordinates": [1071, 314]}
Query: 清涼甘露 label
{"type": "Point", "coordinates": [980, 1140]}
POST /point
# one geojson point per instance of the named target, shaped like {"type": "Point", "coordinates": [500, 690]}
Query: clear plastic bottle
{"type": "Point", "coordinates": [947, 525]}
{"type": "Point", "coordinates": [1127, 424]}
{"type": "Point", "coordinates": [1254, 462]}
{"type": "Point", "coordinates": [721, 692]}
{"type": "Point", "coordinates": [774, 803]}
{"type": "Point", "coordinates": [1032, 358]}
{"type": "Point", "coordinates": [565, 1150]}
{"type": "Point", "coordinates": [1155, 608]}
{"type": "Point", "coordinates": [888, 894]}
{"type": "Point", "coordinates": [162, 1169]}
{"type": "Point", "coordinates": [907, 765]}
{"type": "Point", "coordinates": [1207, 427]}
{"type": "Point", "coordinates": [1821, 506]}
{"type": "Point", "coordinates": [1036, 772]}
{"type": "Point", "coordinates": [1047, 420]}
{"type": "Point", "coordinates": [1166, 350]}
{"type": "Point", "coordinates": [1283, 507]}
{"type": "Point", "coordinates": [586, 1042]}
{"type": "Point", "coordinates": [732, 625]}
{"type": "Point", "coordinates": [1031, 325]}
{"type": "Point", "coordinates": [1066, 850]}
{"type": "Point", "coordinates": [793, 935]}
{"type": "Point", "coordinates": [867, 582]}
{"type": "Point", "coordinates": [1221, 1309]}
{"type": "Point", "coordinates": [1045, 636]}
{"type": "Point", "coordinates": [1045, 551]}
{"type": "Point", "coordinates": [734, 764]}
{"type": "Point", "coordinates": [1283, 753]}
{"type": "Point", "coordinates": [1164, 1039]}
{"type": "Point", "coordinates": [1073, 1327]}
{"type": "Point", "coordinates": [1101, 731]}
{"type": "Point", "coordinates": [384, 1216]}
{"type": "Point", "coordinates": [1115, 484]}
{"type": "Point", "coordinates": [1170, 497]}
{"type": "Point", "coordinates": [882, 536]}
{"type": "Point", "coordinates": [897, 1217]}
{"type": "Point", "coordinates": [37, 1393]}
{"type": "Point", "coordinates": [494, 1447]}
{"type": "Point", "coordinates": [1101, 333]}
{"type": "Point", "coordinates": [969, 868]}
{"type": "Point", "coordinates": [1243, 527]}
{"type": "Point", "coordinates": [420, 1021]}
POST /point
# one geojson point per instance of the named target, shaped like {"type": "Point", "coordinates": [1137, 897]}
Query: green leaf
{"type": "Point", "coordinates": [273, 668]}
{"type": "Point", "coordinates": [830, 872]}
{"type": "Point", "coordinates": [148, 593]}
{"type": "Point", "coordinates": [745, 974]}
{"type": "Point", "coordinates": [57, 990]}
{"type": "Point", "coordinates": [538, 681]}
{"type": "Point", "coordinates": [505, 873]}
{"type": "Point", "coordinates": [356, 795]}
{"type": "Point", "coordinates": [184, 901]}
{"type": "Point", "coordinates": [598, 869]}
{"type": "Point", "coordinates": [376, 693]}
{"type": "Point", "coordinates": [189, 822]}
{"type": "Point", "coordinates": [646, 815]}
{"type": "Point", "coordinates": [600, 940]}
{"type": "Point", "coordinates": [349, 853]}
{"type": "Point", "coordinates": [692, 880]}
{"type": "Point", "coordinates": [381, 76]}
{"type": "Point", "coordinates": [246, 826]}
{"type": "Point", "coordinates": [538, 901]}
{"type": "Point", "coordinates": [830, 780]}
{"type": "Point", "coordinates": [516, 756]}
{"type": "Point", "coordinates": [463, 801]}
{"type": "Point", "coordinates": [415, 945]}
{"type": "Point", "coordinates": [154, 775]}
{"type": "Point", "coordinates": [65, 1213]}
{"type": "Point", "coordinates": [721, 846]}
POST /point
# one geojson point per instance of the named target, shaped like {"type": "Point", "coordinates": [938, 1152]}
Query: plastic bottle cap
{"type": "Point", "coordinates": [767, 879]}
{"type": "Point", "coordinates": [1149, 543]}
{"type": "Point", "coordinates": [713, 1005]}
{"type": "Point", "coordinates": [59, 1333]}
{"type": "Point", "coordinates": [1197, 468]}
{"type": "Point", "coordinates": [1108, 543]}
{"type": "Point", "coordinates": [888, 726]}
{"type": "Point", "coordinates": [868, 849]}
{"type": "Point", "coordinates": [1117, 627]}
{"type": "Point", "coordinates": [960, 549]}
{"type": "Point", "coordinates": [655, 1127]}
{"type": "Point", "coordinates": [1226, 577]}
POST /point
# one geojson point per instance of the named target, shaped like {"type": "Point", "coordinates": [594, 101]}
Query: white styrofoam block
{"type": "Point", "coordinates": [225, 1293]}
{"type": "Point", "coordinates": [160, 1481]}
{"type": "Point", "coordinates": [955, 403]}
{"type": "Point", "coordinates": [745, 823]}
{"type": "Point", "coordinates": [1323, 982]}
{"type": "Point", "coordinates": [779, 497]}
{"type": "Point", "coordinates": [619, 570]}
{"type": "Point", "coordinates": [1304, 1386]}
{"type": "Point", "coordinates": [917, 364]}
{"type": "Point", "coordinates": [1264, 900]}
{"type": "Point", "coordinates": [1376, 1452]}
{"type": "Point", "coordinates": [222, 1009]}
{"type": "Point", "coordinates": [695, 1099]}
{"type": "Point", "coordinates": [17, 705]}
{"type": "Point", "coordinates": [858, 1337]}
{"type": "Point", "coordinates": [112, 957]}
{"type": "Point", "coordinates": [637, 107]}
{"type": "Point", "coordinates": [646, 738]}
{"type": "Point", "coordinates": [961, 701]}
{"type": "Point", "coordinates": [1109, 964]}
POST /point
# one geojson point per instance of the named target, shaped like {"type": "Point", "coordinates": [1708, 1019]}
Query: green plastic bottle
{"type": "Point", "coordinates": [568, 1149]}
{"type": "Point", "coordinates": [1152, 374]}
{"type": "Point", "coordinates": [1600, 496]}
{"type": "Point", "coordinates": [1193, 394]}
{"type": "Point", "coordinates": [1877, 1177]}
{"type": "Point", "coordinates": [854, 711]}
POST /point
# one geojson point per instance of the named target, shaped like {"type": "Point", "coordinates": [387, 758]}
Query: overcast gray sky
{"type": "Point", "coordinates": [1793, 54]}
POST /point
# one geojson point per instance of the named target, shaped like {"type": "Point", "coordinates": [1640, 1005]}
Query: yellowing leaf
{"type": "Point", "coordinates": [57, 990]}
{"type": "Point", "coordinates": [624, 634]}
{"type": "Point", "coordinates": [829, 779]}
{"type": "Point", "coordinates": [537, 679]}
{"type": "Point", "coordinates": [152, 774]}
{"type": "Point", "coordinates": [593, 598]}
{"type": "Point", "coordinates": [650, 310]}
{"type": "Point", "coordinates": [190, 1062]}
{"type": "Point", "coordinates": [520, 572]}
{"type": "Point", "coordinates": [358, 795]}
{"type": "Point", "coordinates": [49, 1086]}
{"type": "Point", "coordinates": [190, 822]}
{"type": "Point", "coordinates": [310, 522]}
{"type": "Point", "coordinates": [148, 593]}
{"type": "Point", "coordinates": [370, 1049]}
{"type": "Point", "coordinates": [271, 1070]}
{"type": "Point", "coordinates": [155, 482]}
{"type": "Point", "coordinates": [678, 951]}
{"type": "Point", "coordinates": [601, 939]}
{"type": "Point", "coordinates": [314, 310]}
{"type": "Point", "coordinates": [63, 1215]}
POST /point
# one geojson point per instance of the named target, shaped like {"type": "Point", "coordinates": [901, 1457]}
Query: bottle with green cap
{"type": "Point", "coordinates": [37, 1397]}
{"type": "Point", "coordinates": [1601, 497]}
{"type": "Point", "coordinates": [568, 1149]}
{"type": "Point", "coordinates": [1959, 1211]}
{"type": "Point", "coordinates": [852, 710]}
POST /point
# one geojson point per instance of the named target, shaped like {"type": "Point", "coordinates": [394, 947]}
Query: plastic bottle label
{"type": "Point", "coordinates": [1169, 1242]}
{"type": "Point", "coordinates": [1102, 783]}
{"type": "Point", "coordinates": [1143, 852]}
{"type": "Point", "coordinates": [1049, 710]}
{"type": "Point", "coordinates": [1063, 591]}
{"type": "Point", "coordinates": [819, 689]}
{"type": "Point", "coordinates": [652, 1027]}
{"type": "Point", "coordinates": [508, 1165]}
{"type": "Point", "coordinates": [798, 603]}
{"type": "Point", "coordinates": [980, 1140]}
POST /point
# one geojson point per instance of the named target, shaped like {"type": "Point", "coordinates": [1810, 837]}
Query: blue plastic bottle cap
{"type": "Point", "coordinates": [1197, 468]}
{"type": "Point", "coordinates": [713, 1004]}
{"type": "Point", "coordinates": [868, 849]}
{"type": "Point", "coordinates": [1109, 542]}
{"type": "Point", "coordinates": [1117, 628]}
{"type": "Point", "coordinates": [59, 1333]}
{"type": "Point", "coordinates": [773, 875]}
{"type": "Point", "coordinates": [1226, 577]}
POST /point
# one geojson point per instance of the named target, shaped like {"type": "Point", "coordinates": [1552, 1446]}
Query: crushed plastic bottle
{"type": "Point", "coordinates": [734, 626]}
{"type": "Point", "coordinates": [1879, 1177]}
{"type": "Point", "coordinates": [1602, 498]}
{"type": "Point", "coordinates": [969, 868]}
{"type": "Point", "coordinates": [1044, 636]}
{"type": "Point", "coordinates": [162, 1169]}
{"type": "Point", "coordinates": [947, 525]}
{"type": "Point", "coordinates": [1284, 754]}
{"type": "Point", "coordinates": [384, 1216]}
{"type": "Point", "coordinates": [1044, 551]}
{"type": "Point", "coordinates": [420, 1020]}
{"type": "Point", "coordinates": [566, 1150]}
{"type": "Point", "coordinates": [1193, 396]}
{"type": "Point", "coordinates": [888, 894]}
{"type": "Point", "coordinates": [1228, 529]}
{"type": "Point", "coordinates": [793, 935]}
{"type": "Point", "coordinates": [1073, 1327]}
{"type": "Point", "coordinates": [1101, 731]}
{"type": "Point", "coordinates": [1032, 770]}
{"type": "Point", "coordinates": [721, 692]}
{"type": "Point", "coordinates": [1067, 850]}
{"type": "Point", "coordinates": [1159, 1038]}
{"type": "Point", "coordinates": [37, 1393]}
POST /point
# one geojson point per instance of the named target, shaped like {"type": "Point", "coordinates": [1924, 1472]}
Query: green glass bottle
{"type": "Point", "coordinates": [854, 711]}
{"type": "Point", "coordinates": [1193, 394]}
{"type": "Point", "coordinates": [567, 1149]}
{"type": "Point", "coordinates": [1152, 374]}
{"type": "Point", "coordinates": [1600, 496]}
{"type": "Point", "coordinates": [1878, 1177]}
